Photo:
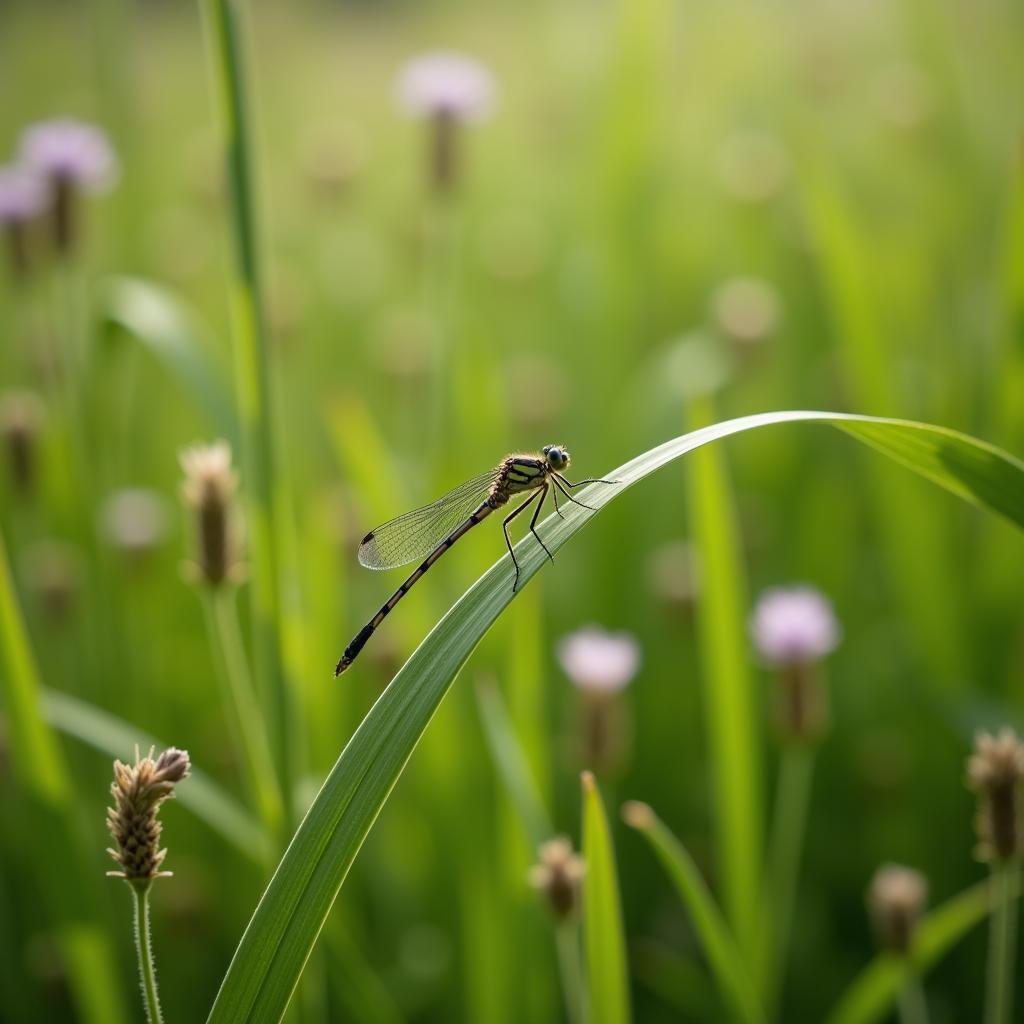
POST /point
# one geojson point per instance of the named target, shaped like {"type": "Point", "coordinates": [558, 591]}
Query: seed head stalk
{"type": "Point", "coordinates": [144, 948]}
{"type": "Point", "coordinates": [1002, 943]}
{"type": "Point", "coordinates": [264, 500]}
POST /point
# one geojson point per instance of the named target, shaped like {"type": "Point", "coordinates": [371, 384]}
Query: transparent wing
{"type": "Point", "coordinates": [417, 533]}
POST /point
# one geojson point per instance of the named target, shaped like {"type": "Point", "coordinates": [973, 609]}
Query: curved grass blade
{"type": "Point", "coordinates": [269, 959]}
{"type": "Point", "coordinates": [162, 324]}
{"type": "Point", "coordinates": [720, 948]}
{"type": "Point", "coordinates": [604, 940]}
{"type": "Point", "coordinates": [873, 993]}
{"type": "Point", "coordinates": [202, 796]}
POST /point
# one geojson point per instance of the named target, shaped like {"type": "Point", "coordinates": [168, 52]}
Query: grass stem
{"type": "Point", "coordinates": [1002, 944]}
{"type": "Point", "coordinates": [796, 771]}
{"type": "Point", "coordinates": [570, 969]}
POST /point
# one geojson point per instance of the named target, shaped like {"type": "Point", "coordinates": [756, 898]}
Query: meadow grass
{"type": "Point", "coordinates": [275, 268]}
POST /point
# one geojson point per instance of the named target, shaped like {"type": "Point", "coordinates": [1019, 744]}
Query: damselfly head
{"type": "Point", "coordinates": [557, 456]}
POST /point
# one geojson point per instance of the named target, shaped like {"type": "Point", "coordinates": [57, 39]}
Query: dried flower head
{"type": "Point", "coordinates": [597, 661]}
{"type": "Point", "coordinates": [896, 900]}
{"type": "Point", "coordinates": [21, 415]}
{"type": "Point", "coordinates": [209, 490]}
{"type": "Point", "coordinates": [134, 520]}
{"type": "Point", "coordinates": [994, 772]}
{"type": "Point", "coordinates": [794, 625]}
{"type": "Point", "coordinates": [138, 791]}
{"type": "Point", "coordinates": [558, 873]}
{"type": "Point", "coordinates": [746, 309]}
{"type": "Point", "coordinates": [446, 83]}
{"type": "Point", "coordinates": [53, 573]}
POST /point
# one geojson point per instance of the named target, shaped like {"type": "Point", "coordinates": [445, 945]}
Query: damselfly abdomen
{"type": "Point", "coordinates": [430, 531]}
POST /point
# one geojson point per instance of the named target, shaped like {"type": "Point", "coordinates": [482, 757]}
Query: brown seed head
{"type": "Point", "coordinates": [138, 791]}
{"type": "Point", "coordinates": [994, 772]}
{"type": "Point", "coordinates": [558, 874]}
{"type": "Point", "coordinates": [21, 414]}
{"type": "Point", "coordinates": [209, 490]}
{"type": "Point", "coordinates": [896, 900]}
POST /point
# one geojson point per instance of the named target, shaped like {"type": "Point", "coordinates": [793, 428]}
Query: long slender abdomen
{"type": "Point", "coordinates": [368, 630]}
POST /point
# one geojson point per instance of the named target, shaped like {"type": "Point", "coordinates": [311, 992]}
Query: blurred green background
{"type": "Point", "coordinates": [757, 205]}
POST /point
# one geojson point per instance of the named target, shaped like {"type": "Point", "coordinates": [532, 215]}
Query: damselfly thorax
{"type": "Point", "coordinates": [430, 531]}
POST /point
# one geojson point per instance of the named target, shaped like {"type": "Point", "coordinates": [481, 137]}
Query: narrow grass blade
{"type": "Point", "coordinates": [67, 876]}
{"type": "Point", "coordinates": [510, 760]}
{"type": "Point", "coordinates": [265, 498]}
{"type": "Point", "coordinates": [729, 698]}
{"type": "Point", "coordinates": [117, 738]}
{"type": "Point", "coordinates": [159, 321]}
{"type": "Point", "coordinates": [717, 941]}
{"type": "Point", "coordinates": [604, 940]}
{"type": "Point", "coordinates": [285, 925]}
{"type": "Point", "coordinates": [872, 995]}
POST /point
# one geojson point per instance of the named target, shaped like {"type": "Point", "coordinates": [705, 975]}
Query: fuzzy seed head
{"type": "Point", "coordinates": [994, 772]}
{"type": "Point", "coordinates": [209, 491]}
{"type": "Point", "coordinates": [138, 790]}
{"type": "Point", "coordinates": [896, 900]}
{"type": "Point", "coordinates": [558, 873]}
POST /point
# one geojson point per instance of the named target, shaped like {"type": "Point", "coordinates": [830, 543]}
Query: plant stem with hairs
{"type": "Point", "coordinates": [144, 947]}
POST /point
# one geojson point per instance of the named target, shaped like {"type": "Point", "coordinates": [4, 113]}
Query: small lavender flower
{"type": "Point", "coordinates": [71, 150]}
{"type": "Point", "coordinates": [599, 662]}
{"type": "Point", "coordinates": [896, 900]}
{"type": "Point", "coordinates": [793, 629]}
{"type": "Point", "coordinates": [447, 89]}
{"type": "Point", "coordinates": [558, 873]}
{"type": "Point", "coordinates": [73, 157]}
{"type": "Point", "coordinates": [794, 625]}
{"type": "Point", "coordinates": [138, 792]}
{"type": "Point", "coordinates": [23, 197]}
{"type": "Point", "coordinates": [601, 665]}
{"type": "Point", "coordinates": [446, 83]}
{"type": "Point", "coordinates": [995, 771]}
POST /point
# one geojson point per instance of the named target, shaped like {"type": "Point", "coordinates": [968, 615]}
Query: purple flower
{"type": "Point", "coordinates": [794, 625]}
{"type": "Point", "coordinates": [597, 661]}
{"type": "Point", "coordinates": [23, 194]}
{"type": "Point", "coordinates": [70, 151]}
{"type": "Point", "coordinates": [446, 84]}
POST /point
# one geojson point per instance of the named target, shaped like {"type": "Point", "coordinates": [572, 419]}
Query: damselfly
{"type": "Point", "coordinates": [433, 529]}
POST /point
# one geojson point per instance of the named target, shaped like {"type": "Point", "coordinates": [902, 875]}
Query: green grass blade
{"type": "Point", "coordinates": [717, 941]}
{"type": "Point", "coordinates": [604, 940]}
{"type": "Point", "coordinates": [265, 508]}
{"type": "Point", "coordinates": [872, 995]}
{"type": "Point", "coordinates": [68, 875]}
{"type": "Point", "coordinates": [158, 320]}
{"type": "Point", "coordinates": [730, 701]}
{"type": "Point", "coordinates": [285, 925]}
{"type": "Point", "coordinates": [117, 738]}
{"type": "Point", "coordinates": [510, 760]}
